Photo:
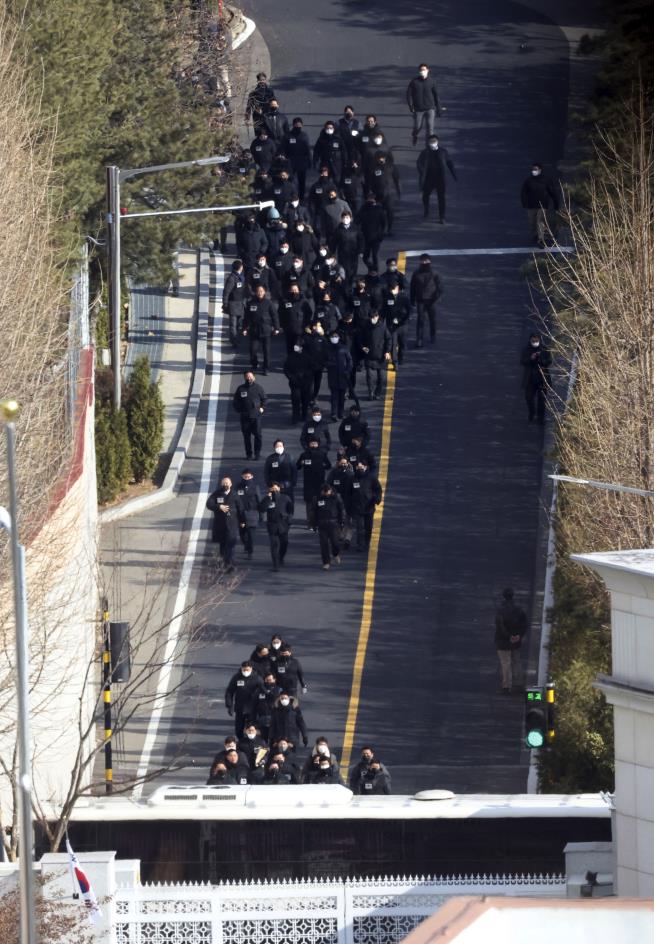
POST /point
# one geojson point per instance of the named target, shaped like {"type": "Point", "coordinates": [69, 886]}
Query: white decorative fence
{"type": "Point", "coordinates": [321, 911]}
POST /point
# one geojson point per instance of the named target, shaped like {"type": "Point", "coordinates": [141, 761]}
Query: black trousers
{"type": "Point", "coordinates": [260, 346]}
{"type": "Point", "coordinates": [235, 312]}
{"type": "Point", "coordinates": [317, 381]}
{"type": "Point", "coordinates": [426, 312]}
{"type": "Point", "coordinates": [251, 429]}
{"type": "Point", "coordinates": [227, 547]}
{"type": "Point", "coordinates": [535, 397]}
{"type": "Point", "coordinates": [330, 541]}
{"type": "Point", "coordinates": [301, 182]}
{"type": "Point", "coordinates": [300, 399]}
{"type": "Point", "coordinates": [427, 191]}
{"type": "Point", "coordinates": [371, 252]}
{"type": "Point", "coordinates": [398, 344]}
{"type": "Point", "coordinates": [374, 375]}
{"type": "Point", "coordinates": [337, 397]}
{"type": "Point", "coordinates": [278, 546]}
{"type": "Point", "coordinates": [362, 525]}
{"type": "Point", "coordinates": [247, 539]}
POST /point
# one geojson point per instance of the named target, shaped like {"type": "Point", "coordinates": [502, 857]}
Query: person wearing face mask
{"type": "Point", "coordinates": [375, 781]}
{"type": "Point", "coordinates": [251, 242]}
{"type": "Point", "coordinates": [263, 150]}
{"type": "Point", "coordinates": [287, 721]}
{"type": "Point", "coordinates": [275, 234]}
{"type": "Point", "coordinates": [283, 189]}
{"type": "Point", "coordinates": [234, 300]}
{"type": "Point", "coordinates": [280, 771]}
{"type": "Point", "coordinates": [259, 326]}
{"type": "Point", "coordinates": [358, 769]}
{"type": "Point", "coordinates": [229, 744]}
{"type": "Point", "coordinates": [348, 127]}
{"type": "Point", "coordinates": [316, 427]}
{"type": "Point", "coordinates": [320, 751]}
{"type": "Point", "coordinates": [250, 402]}
{"type": "Point", "coordinates": [366, 495]}
{"type": "Point", "coordinates": [276, 646]}
{"type": "Point", "coordinates": [219, 775]}
{"type": "Point", "coordinates": [331, 215]}
{"type": "Point", "coordinates": [294, 212]}
{"type": "Point", "coordinates": [326, 313]}
{"type": "Point", "coordinates": [422, 99]}
{"type": "Point", "coordinates": [391, 276]}
{"type": "Point", "coordinates": [261, 274]}
{"type": "Point", "coordinates": [256, 750]}
{"type": "Point", "coordinates": [222, 502]}
{"type": "Point", "coordinates": [384, 182]}
{"type": "Point", "coordinates": [431, 174]}
{"type": "Point", "coordinates": [378, 145]}
{"type": "Point", "coordinates": [278, 512]}
{"type": "Point", "coordinates": [330, 151]}
{"type": "Point", "coordinates": [242, 695]}
{"type": "Point", "coordinates": [375, 345]}
{"type": "Point", "coordinates": [373, 224]}
{"type": "Point", "coordinates": [365, 139]}
{"type": "Point", "coordinates": [339, 374]}
{"type": "Point", "coordinates": [357, 453]}
{"type": "Point", "coordinates": [279, 469]}
{"type": "Point", "coordinates": [425, 291]}
{"type": "Point", "coordinates": [319, 267]}
{"type": "Point", "coordinates": [297, 148]}
{"type": "Point", "coordinates": [340, 477]}
{"type": "Point", "coordinates": [295, 315]}
{"type": "Point", "coordinates": [315, 346]}
{"type": "Point", "coordinates": [258, 101]}
{"type": "Point", "coordinates": [318, 194]}
{"type": "Point", "coordinates": [354, 426]}
{"type": "Point", "coordinates": [248, 498]}
{"type": "Point", "coordinates": [271, 692]}
{"type": "Point", "coordinates": [313, 463]}
{"type": "Point", "coordinates": [348, 331]}
{"type": "Point", "coordinates": [260, 659]}
{"type": "Point", "coordinates": [329, 515]}
{"type": "Point", "coordinates": [321, 771]}
{"type": "Point", "coordinates": [276, 123]}
{"type": "Point", "coordinates": [348, 244]}
{"type": "Point", "coordinates": [299, 372]}
{"type": "Point", "coordinates": [539, 197]}
{"type": "Point", "coordinates": [300, 276]}
{"type": "Point", "coordinates": [304, 246]}
{"type": "Point", "coordinates": [282, 263]}
{"type": "Point", "coordinates": [288, 671]}
{"type": "Point", "coordinates": [536, 360]}
{"type": "Point", "coordinates": [240, 773]}
{"type": "Point", "coordinates": [396, 309]}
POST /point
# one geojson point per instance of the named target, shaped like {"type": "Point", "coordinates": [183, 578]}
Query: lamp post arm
{"type": "Point", "coordinates": [130, 172]}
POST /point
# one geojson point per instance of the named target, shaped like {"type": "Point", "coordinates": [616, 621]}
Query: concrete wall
{"type": "Point", "coordinates": [61, 575]}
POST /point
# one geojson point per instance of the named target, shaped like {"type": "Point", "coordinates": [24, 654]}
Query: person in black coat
{"type": "Point", "coordinates": [299, 373]}
{"type": "Point", "coordinates": [223, 503]}
{"type": "Point", "coordinates": [258, 101]}
{"type": "Point", "coordinates": [366, 495]}
{"type": "Point", "coordinates": [278, 512]}
{"type": "Point", "coordinates": [330, 151]}
{"type": "Point", "coordinates": [396, 310]}
{"type": "Point", "coordinates": [536, 360]}
{"type": "Point", "coordinates": [354, 426]}
{"type": "Point", "coordinates": [256, 750]}
{"type": "Point", "coordinates": [385, 184]}
{"type": "Point", "coordinates": [314, 464]}
{"type": "Point", "coordinates": [375, 781]}
{"type": "Point", "coordinates": [315, 346]}
{"type": "Point", "coordinates": [340, 477]}
{"type": "Point", "coordinates": [375, 344]}
{"type": "Point", "coordinates": [248, 498]}
{"type": "Point", "coordinates": [339, 374]}
{"type": "Point", "coordinates": [279, 469]}
{"type": "Point", "coordinates": [510, 628]}
{"type": "Point", "coordinates": [295, 315]}
{"type": "Point", "coordinates": [280, 771]}
{"type": "Point", "coordinates": [233, 300]}
{"type": "Point", "coordinates": [263, 150]}
{"type": "Point", "coordinates": [329, 515]}
{"type": "Point", "coordinates": [288, 671]}
{"type": "Point", "coordinates": [424, 292]}
{"type": "Point", "coordinates": [276, 123]}
{"type": "Point", "coordinates": [251, 242]}
{"type": "Point", "coordinates": [238, 771]}
{"type": "Point", "coordinates": [260, 659]}
{"type": "Point", "coordinates": [357, 453]}
{"type": "Point", "coordinates": [316, 428]}
{"type": "Point", "coordinates": [250, 402]}
{"type": "Point", "coordinates": [261, 274]}
{"type": "Point", "coordinates": [322, 771]}
{"type": "Point", "coordinates": [538, 194]}
{"type": "Point", "coordinates": [283, 191]}
{"type": "Point", "coordinates": [353, 184]}
{"type": "Point", "coordinates": [297, 148]}
{"type": "Point", "coordinates": [349, 129]}
{"type": "Point", "coordinates": [348, 244]}
{"type": "Point", "coordinates": [241, 696]}
{"type": "Point", "coordinates": [373, 224]}
{"type": "Point", "coordinates": [287, 721]}
{"type": "Point", "coordinates": [319, 193]}
{"type": "Point", "coordinates": [422, 99]}
{"type": "Point", "coordinates": [326, 313]}
{"type": "Point", "coordinates": [267, 698]}
{"type": "Point", "coordinates": [259, 325]}
{"type": "Point", "coordinates": [431, 165]}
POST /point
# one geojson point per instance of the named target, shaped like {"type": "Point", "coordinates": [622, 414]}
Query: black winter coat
{"type": "Point", "coordinates": [242, 694]}
{"type": "Point", "coordinates": [372, 221]}
{"type": "Point", "coordinates": [319, 429]}
{"type": "Point", "coordinates": [314, 464]}
{"type": "Point", "coordinates": [260, 318]}
{"type": "Point", "coordinates": [339, 367]}
{"type": "Point", "coordinates": [431, 167]}
{"type": "Point", "coordinates": [539, 192]}
{"type": "Point", "coordinates": [377, 340]}
{"type": "Point", "coordinates": [297, 149]}
{"type": "Point", "coordinates": [287, 722]}
{"type": "Point", "coordinates": [249, 399]}
{"type": "Point", "coordinates": [225, 523]}
{"type": "Point", "coordinates": [248, 497]}
{"type": "Point", "coordinates": [298, 370]}
{"type": "Point", "coordinates": [277, 509]}
{"type": "Point", "coordinates": [351, 427]}
{"type": "Point", "coordinates": [329, 510]}
{"type": "Point", "coordinates": [366, 493]}
{"type": "Point", "coordinates": [426, 286]}
{"type": "Point", "coordinates": [422, 94]}
{"type": "Point", "coordinates": [279, 470]}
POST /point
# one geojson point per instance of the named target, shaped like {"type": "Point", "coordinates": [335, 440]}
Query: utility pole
{"type": "Point", "coordinates": [106, 696]}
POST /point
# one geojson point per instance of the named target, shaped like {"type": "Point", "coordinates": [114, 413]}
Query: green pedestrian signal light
{"type": "Point", "coordinates": [539, 715]}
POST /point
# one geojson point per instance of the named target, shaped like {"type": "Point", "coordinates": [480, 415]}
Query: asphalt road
{"type": "Point", "coordinates": [462, 508]}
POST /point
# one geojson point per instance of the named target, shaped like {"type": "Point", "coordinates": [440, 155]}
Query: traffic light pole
{"type": "Point", "coordinates": [113, 245]}
{"type": "Point", "coordinates": [106, 697]}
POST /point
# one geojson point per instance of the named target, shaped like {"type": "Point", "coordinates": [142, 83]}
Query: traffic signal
{"type": "Point", "coordinates": [536, 722]}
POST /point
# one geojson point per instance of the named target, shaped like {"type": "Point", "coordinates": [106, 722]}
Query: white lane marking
{"type": "Point", "coordinates": [197, 530]}
{"type": "Point", "coordinates": [524, 251]}
{"type": "Point", "coordinates": [250, 27]}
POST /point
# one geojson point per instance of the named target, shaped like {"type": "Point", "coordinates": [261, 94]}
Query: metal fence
{"type": "Point", "coordinates": [320, 911]}
{"type": "Point", "coordinates": [79, 335]}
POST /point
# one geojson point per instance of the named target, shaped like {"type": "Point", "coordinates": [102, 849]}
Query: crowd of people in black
{"type": "Point", "coordinates": [269, 728]}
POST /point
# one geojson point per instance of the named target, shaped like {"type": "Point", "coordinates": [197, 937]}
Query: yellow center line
{"type": "Point", "coordinates": [371, 568]}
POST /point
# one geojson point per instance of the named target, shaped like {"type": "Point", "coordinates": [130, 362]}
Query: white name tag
{"type": "Point", "coordinates": [390, 302]}
{"type": "Point", "coordinates": [396, 321]}
{"type": "Point", "coordinates": [277, 190]}
{"type": "Point", "coordinates": [356, 303]}
{"type": "Point", "coordinates": [356, 485]}
{"type": "Point", "coordinates": [335, 144]}
{"type": "Point", "coordinates": [318, 189]}
{"type": "Point", "coordinates": [244, 393]}
{"type": "Point", "coordinates": [240, 492]}
{"type": "Point", "coordinates": [240, 683]}
{"type": "Point", "coordinates": [307, 461]}
{"type": "Point", "coordinates": [321, 504]}
{"type": "Point", "coordinates": [271, 505]}
{"type": "Point", "coordinates": [354, 132]}
{"type": "Point", "coordinates": [347, 427]}
{"type": "Point", "coordinates": [367, 786]}
{"type": "Point", "coordinates": [365, 138]}
{"type": "Point", "coordinates": [281, 669]}
{"type": "Point", "coordinates": [337, 481]}
{"type": "Point", "coordinates": [378, 173]}
{"type": "Point", "coordinates": [258, 148]}
{"type": "Point", "coordinates": [310, 429]}
{"type": "Point", "coordinates": [347, 180]}
{"type": "Point", "coordinates": [292, 140]}
{"type": "Point", "coordinates": [275, 465]}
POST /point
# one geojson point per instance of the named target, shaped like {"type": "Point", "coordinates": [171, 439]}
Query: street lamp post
{"type": "Point", "coordinates": [8, 412]}
{"type": "Point", "coordinates": [115, 177]}
{"type": "Point", "coordinates": [604, 486]}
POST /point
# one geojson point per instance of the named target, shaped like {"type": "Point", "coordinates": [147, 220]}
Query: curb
{"type": "Point", "coordinates": [167, 489]}
{"type": "Point", "coordinates": [249, 29]}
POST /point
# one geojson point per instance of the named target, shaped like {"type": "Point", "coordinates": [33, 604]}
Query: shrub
{"type": "Point", "coordinates": [145, 415]}
{"type": "Point", "coordinates": [112, 451]}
